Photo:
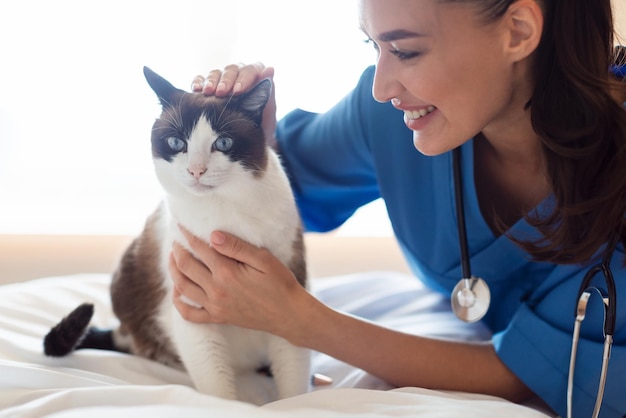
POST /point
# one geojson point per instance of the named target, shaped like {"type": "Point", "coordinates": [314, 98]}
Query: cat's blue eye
{"type": "Point", "coordinates": [223, 143]}
{"type": "Point", "coordinates": [175, 144]}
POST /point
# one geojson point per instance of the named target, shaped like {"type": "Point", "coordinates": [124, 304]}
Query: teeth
{"type": "Point", "coordinates": [416, 114]}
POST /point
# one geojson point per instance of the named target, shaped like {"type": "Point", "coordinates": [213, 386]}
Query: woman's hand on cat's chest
{"type": "Point", "coordinates": [236, 283]}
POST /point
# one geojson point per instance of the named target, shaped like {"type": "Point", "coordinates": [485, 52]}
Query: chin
{"type": "Point", "coordinates": [432, 147]}
{"type": "Point", "coordinates": [428, 149]}
{"type": "Point", "coordinates": [200, 190]}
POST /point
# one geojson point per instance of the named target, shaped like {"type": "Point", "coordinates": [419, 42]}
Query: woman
{"type": "Point", "coordinates": [522, 87]}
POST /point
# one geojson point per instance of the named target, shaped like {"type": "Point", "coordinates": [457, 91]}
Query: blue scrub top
{"type": "Point", "coordinates": [361, 150]}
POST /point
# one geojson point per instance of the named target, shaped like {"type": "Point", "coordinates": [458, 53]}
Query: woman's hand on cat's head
{"type": "Point", "coordinates": [236, 79]}
{"type": "Point", "coordinates": [233, 79]}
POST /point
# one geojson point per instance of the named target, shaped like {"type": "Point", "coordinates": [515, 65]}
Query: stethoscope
{"type": "Point", "coordinates": [609, 303]}
{"type": "Point", "coordinates": [471, 297]}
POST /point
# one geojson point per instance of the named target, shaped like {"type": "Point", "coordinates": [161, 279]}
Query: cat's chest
{"type": "Point", "coordinates": [201, 219]}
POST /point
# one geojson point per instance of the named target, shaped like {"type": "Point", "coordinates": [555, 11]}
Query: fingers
{"type": "Point", "coordinates": [197, 84]}
{"type": "Point", "coordinates": [182, 266]}
{"type": "Point", "coordinates": [186, 290]}
{"type": "Point", "coordinates": [187, 265]}
{"type": "Point", "coordinates": [239, 250]}
{"type": "Point", "coordinates": [206, 255]}
{"type": "Point", "coordinates": [225, 245]}
{"type": "Point", "coordinates": [190, 313]}
{"type": "Point", "coordinates": [233, 79]}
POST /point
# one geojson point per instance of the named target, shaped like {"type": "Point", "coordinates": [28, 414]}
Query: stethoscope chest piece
{"type": "Point", "coordinates": [470, 299]}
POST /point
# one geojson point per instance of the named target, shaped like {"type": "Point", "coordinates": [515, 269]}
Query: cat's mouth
{"type": "Point", "coordinates": [201, 189]}
{"type": "Point", "coordinates": [206, 183]}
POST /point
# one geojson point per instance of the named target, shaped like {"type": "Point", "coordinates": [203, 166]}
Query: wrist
{"type": "Point", "coordinates": [307, 315]}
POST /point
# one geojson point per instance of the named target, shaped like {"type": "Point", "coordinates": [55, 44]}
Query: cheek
{"type": "Point", "coordinates": [167, 174]}
{"type": "Point", "coordinates": [218, 163]}
{"type": "Point", "coordinates": [475, 98]}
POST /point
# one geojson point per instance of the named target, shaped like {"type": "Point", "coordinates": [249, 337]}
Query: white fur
{"type": "Point", "coordinates": [260, 210]}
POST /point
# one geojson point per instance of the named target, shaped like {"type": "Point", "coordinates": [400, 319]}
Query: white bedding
{"type": "Point", "coordinates": [93, 383]}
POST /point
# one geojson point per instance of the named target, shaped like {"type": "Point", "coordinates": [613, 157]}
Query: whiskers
{"type": "Point", "coordinates": [173, 118]}
{"type": "Point", "coordinates": [176, 118]}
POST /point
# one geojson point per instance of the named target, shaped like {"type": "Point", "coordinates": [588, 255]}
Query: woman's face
{"type": "Point", "coordinates": [444, 67]}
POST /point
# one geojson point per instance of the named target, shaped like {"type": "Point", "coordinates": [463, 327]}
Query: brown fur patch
{"type": "Point", "coordinates": [137, 291]}
{"type": "Point", "coordinates": [297, 264]}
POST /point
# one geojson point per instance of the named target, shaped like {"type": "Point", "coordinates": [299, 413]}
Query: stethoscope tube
{"type": "Point", "coordinates": [609, 304]}
{"type": "Point", "coordinates": [470, 297]}
{"type": "Point", "coordinates": [460, 213]}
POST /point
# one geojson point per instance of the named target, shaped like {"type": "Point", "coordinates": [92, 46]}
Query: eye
{"type": "Point", "coordinates": [396, 52]}
{"type": "Point", "coordinates": [223, 143]}
{"type": "Point", "coordinates": [176, 144]}
{"type": "Point", "coordinates": [402, 55]}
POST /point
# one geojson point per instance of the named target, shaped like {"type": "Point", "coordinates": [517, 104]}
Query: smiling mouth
{"type": "Point", "coordinates": [416, 114]}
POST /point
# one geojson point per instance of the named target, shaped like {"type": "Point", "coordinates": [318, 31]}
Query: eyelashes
{"type": "Point", "coordinates": [398, 53]}
{"type": "Point", "coordinates": [404, 56]}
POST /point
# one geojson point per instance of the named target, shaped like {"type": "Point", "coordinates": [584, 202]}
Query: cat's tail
{"type": "Point", "coordinates": [73, 333]}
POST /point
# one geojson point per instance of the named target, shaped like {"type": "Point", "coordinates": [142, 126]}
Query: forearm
{"type": "Point", "coordinates": [406, 360]}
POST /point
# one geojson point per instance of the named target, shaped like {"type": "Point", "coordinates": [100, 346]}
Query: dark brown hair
{"type": "Point", "coordinates": [578, 112]}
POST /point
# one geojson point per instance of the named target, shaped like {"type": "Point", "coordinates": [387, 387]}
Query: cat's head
{"type": "Point", "coordinates": [200, 143]}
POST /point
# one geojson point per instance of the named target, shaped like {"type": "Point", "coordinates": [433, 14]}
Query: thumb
{"type": "Point", "coordinates": [233, 247]}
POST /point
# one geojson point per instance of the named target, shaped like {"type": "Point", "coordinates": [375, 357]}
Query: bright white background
{"type": "Point", "coordinates": [75, 110]}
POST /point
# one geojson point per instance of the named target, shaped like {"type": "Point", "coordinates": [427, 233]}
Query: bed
{"type": "Point", "coordinates": [93, 383]}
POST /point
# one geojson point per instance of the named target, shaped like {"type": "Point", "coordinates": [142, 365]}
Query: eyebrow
{"type": "Point", "coordinates": [398, 34]}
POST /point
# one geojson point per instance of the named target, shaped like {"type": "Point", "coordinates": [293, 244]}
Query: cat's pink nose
{"type": "Point", "coordinates": [197, 171]}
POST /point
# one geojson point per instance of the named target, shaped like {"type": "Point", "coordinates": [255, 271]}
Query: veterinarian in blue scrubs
{"type": "Point", "coordinates": [541, 127]}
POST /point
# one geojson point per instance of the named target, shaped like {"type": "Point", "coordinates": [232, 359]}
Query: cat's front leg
{"type": "Point", "coordinates": [204, 353]}
{"type": "Point", "coordinates": [291, 367]}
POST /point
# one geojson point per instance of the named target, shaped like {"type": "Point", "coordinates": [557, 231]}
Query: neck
{"type": "Point", "coordinates": [525, 155]}
{"type": "Point", "coordinates": [510, 174]}
{"type": "Point", "coordinates": [512, 142]}
{"type": "Point", "coordinates": [510, 138]}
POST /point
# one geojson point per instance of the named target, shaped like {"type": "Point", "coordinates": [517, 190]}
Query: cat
{"type": "Point", "coordinates": [218, 173]}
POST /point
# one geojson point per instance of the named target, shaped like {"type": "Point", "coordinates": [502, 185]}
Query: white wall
{"type": "Point", "coordinates": [76, 112]}
{"type": "Point", "coordinates": [619, 10]}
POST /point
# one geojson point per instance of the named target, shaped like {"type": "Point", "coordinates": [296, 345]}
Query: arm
{"type": "Point", "coordinates": [240, 284]}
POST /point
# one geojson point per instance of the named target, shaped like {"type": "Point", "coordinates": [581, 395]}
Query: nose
{"type": "Point", "coordinates": [386, 86]}
{"type": "Point", "coordinates": [196, 171]}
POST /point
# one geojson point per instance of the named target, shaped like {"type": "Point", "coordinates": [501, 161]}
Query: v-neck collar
{"type": "Point", "coordinates": [491, 256]}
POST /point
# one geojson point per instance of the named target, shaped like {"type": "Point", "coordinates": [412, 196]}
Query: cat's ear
{"type": "Point", "coordinates": [165, 91]}
{"type": "Point", "coordinates": [254, 101]}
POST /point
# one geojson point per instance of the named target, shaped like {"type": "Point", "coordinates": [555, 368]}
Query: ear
{"type": "Point", "coordinates": [524, 24]}
{"type": "Point", "coordinates": [254, 101]}
{"type": "Point", "coordinates": [165, 91]}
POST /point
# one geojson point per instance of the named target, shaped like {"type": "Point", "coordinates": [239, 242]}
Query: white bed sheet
{"type": "Point", "coordinates": [94, 383]}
